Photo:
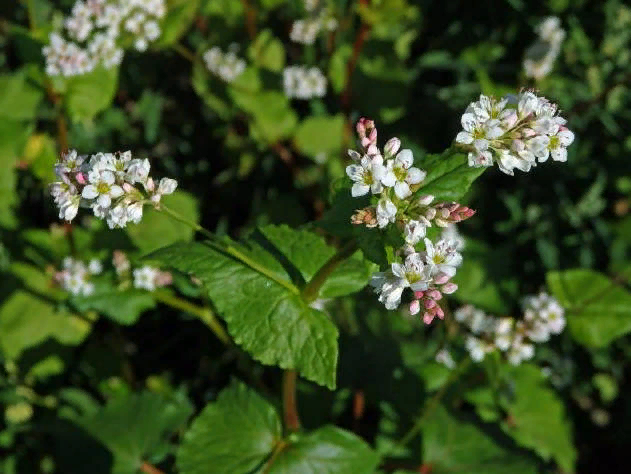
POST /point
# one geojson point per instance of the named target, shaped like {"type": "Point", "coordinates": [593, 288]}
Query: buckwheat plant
{"type": "Point", "coordinates": [392, 179]}
{"type": "Point", "coordinates": [113, 185]}
{"type": "Point", "coordinates": [516, 132]}
{"type": "Point", "coordinates": [302, 82]}
{"type": "Point", "coordinates": [96, 32]}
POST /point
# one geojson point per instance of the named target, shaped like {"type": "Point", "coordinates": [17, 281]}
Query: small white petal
{"type": "Point", "coordinates": [89, 192]}
{"type": "Point", "coordinates": [401, 189]}
{"type": "Point", "coordinates": [116, 191]}
{"type": "Point", "coordinates": [465, 138]}
{"type": "Point", "coordinates": [415, 176]}
{"type": "Point", "coordinates": [359, 189]}
{"type": "Point", "coordinates": [405, 157]}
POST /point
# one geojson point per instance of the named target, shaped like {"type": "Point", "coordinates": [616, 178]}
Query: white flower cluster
{"type": "Point", "coordinates": [540, 57]}
{"type": "Point", "coordinates": [515, 131]}
{"type": "Point", "coordinates": [75, 276]}
{"type": "Point", "coordinates": [228, 66]}
{"type": "Point", "coordinates": [146, 277]}
{"type": "Point", "coordinates": [108, 184]}
{"type": "Point", "coordinates": [392, 176]}
{"type": "Point", "coordinates": [306, 30]}
{"type": "Point", "coordinates": [94, 31]}
{"type": "Point", "coordinates": [302, 82]}
{"type": "Point", "coordinates": [543, 316]}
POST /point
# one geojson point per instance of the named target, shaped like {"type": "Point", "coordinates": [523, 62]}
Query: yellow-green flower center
{"type": "Point", "coordinates": [412, 277]}
{"type": "Point", "coordinates": [368, 179]}
{"type": "Point", "coordinates": [103, 188]}
{"type": "Point", "coordinates": [438, 259]}
{"type": "Point", "coordinates": [554, 143]}
{"type": "Point", "coordinates": [400, 172]}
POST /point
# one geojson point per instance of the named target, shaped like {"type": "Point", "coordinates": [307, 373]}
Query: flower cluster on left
{"type": "Point", "coordinates": [95, 32]}
{"type": "Point", "coordinates": [115, 186]}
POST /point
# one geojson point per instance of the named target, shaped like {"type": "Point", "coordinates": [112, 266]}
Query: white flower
{"type": "Point", "coordinates": [167, 186]}
{"type": "Point", "coordinates": [477, 348]}
{"type": "Point", "coordinates": [389, 287]}
{"type": "Point", "coordinates": [69, 207]}
{"type": "Point", "coordinates": [305, 31]}
{"type": "Point", "coordinates": [301, 82]}
{"type": "Point", "coordinates": [478, 132]}
{"type": "Point", "coordinates": [444, 357]}
{"type": "Point", "coordinates": [413, 272]}
{"type": "Point", "coordinates": [95, 267]}
{"type": "Point", "coordinates": [102, 188]}
{"type": "Point", "coordinates": [228, 66]}
{"type": "Point", "coordinates": [367, 175]}
{"type": "Point", "coordinates": [538, 332]}
{"type": "Point", "coordinates": [401, 174]}
{"type": "Point", "coordinates": [414, 231]}
{"type": "Point", "coordinates": [386, 212]}
{"type": "Point", "coordinates": [520, 352]}
{"type": "Point", "coordinates": [138, 170]}
{"type": "Point", "coordinates": [145, 278]}
{"type": "Point", "coordinates": [556, 146]}
{"type": "Point", "coordinates": [442, 258]}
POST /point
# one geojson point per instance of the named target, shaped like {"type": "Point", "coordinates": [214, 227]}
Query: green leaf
{"type": "Point", "coordinates": [13, 137]}
{"type": "Point", "coordinates": [132, 426]}
{"type": "Point", "coordinates": [90, 93]}
{"type": "Point", "coordinates": [269, 321]}
{"type": "Point", "coordinates": [122, 306]}
{"type": "Point", "coordinates": [41, 154]}
{"type": "Point", "coordinates": [180, 15]}
{"type": "Point", "coordinates": [19, 98]}
{"type": "Point", "coordinates": [267, 52]}
{"type": "Point", "coordinates": [236, 433]}
{"type": "Point", "coordinates": [327, 450]}
{"type": "Point", "coordinates": [536, 417]}
{"type": "Point", "coordinates": [157, 229]}
{"type": "Point", "coordinates": [598, 311]}
{"type": "Point", "coordinates": [448, 176]}
{"type": "Point", "coordinates": [338, 67]}
{"type": "Point", "coordinates": [27, 321]}
{"type": "Point", "coordinates": [322, 134]}
{"type": "Point", "coordinates": [453, 445]}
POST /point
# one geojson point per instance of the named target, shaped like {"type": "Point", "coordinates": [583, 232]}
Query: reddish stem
{"type": "Point", "coordinates": [290, 408]}
{"type": "Point", "coordinates": [250, 19]}
{"type": "Point", "coordinates": [149, 469]}
{"type": "Point", "coordinates": [362, 34]}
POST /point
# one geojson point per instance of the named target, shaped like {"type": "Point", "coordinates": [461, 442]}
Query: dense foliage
{"type": "Point", "coordinates": [217, 256]}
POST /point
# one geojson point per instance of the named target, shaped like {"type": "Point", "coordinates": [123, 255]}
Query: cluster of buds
{"type": "Point", "coordinates": [107, 183]}
{"type": "Point", "coordinates": [302, 82]}
{"type": "Point", "coordinates": [305, 31]}
{"type": "Point", "coordinates": [391, 176]}
{"type": "Point", "coordinates": [516, 132]}
{"type": "Point", "coordinates": [146, 277]}
{"type": "Point", "coordinates": [74, 276]}
{"type": "Point", "coordinates": [95, 30]}
{"type": "Point", "coordinates": [540, 57]}
{"type": "Point", "coordinates": [227, 66]}
{"type": "Point", "coordinates": [543, 316]}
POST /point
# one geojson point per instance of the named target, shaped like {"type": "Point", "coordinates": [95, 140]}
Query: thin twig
{"type": "Point", "coordinates": [250, 19]}
{"type": "Point", "coordinates": [350, 66]}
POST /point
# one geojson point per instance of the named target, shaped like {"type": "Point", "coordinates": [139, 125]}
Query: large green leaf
{"type": "Point", "coordinates": [132, 426]}
{"type": "Point", "coordinates": [322, 134]}
{"type": "Point", "coordinates": [124, 307]}
{"type": "Point", "coordinates": [180, 15]}
{"type": "Point", "coordinates": [267, 52]}
{"type": "Point", "coordinates": [234, 434]}
{"type": "Point", "coordinates": [327, 450]}
{"type": "Point", "coordinates": [19, 98]}
{"type": "Point", "coordinates": [452, 445]}
{"type": "Point", "coordinates": [91, 93]}
{"type": "Point", "coordinates": [598, 311]}
{"type": "Point", "coordinates": [448, 176]}
{"type": "Point", "coordinates": [536, 417]}
{"type": "Point", "coordinates": [27, 321]}
{"type": "Point", "coordinates": [267, 319]}
{"type": "Point", "coordinates": [157, 229]}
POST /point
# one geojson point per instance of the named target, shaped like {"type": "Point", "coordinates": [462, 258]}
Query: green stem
{"type": "Point", "coordinates": [230, 250]}
{"type": "Point", "coordinates": [30, 8]}
{"type": "Point", "coordinates": [431, 405]}
{"type": "Point", "coordinates": [312, 289]}
{"type": "Point", "coordinates": [205, 314]}
{"type": "Point", "coordinates": [290, 408]}
{"type": "Point", "coordinates": [184, 52]}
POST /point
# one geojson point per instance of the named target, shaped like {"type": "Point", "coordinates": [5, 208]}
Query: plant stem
{"type": "Point", "coordinates": [230, 250]}
{"type": "Point", "coordinates": [204, 314]}
{"type": "Point", "coordinates": [312, 289]}
{"type": "Point", "coordinates": [362, 34]}
{"type": "Point", "coordinates": [149, 469]}
{"type": "Point", "coordinates": [30, 8]}
{"type": "Point", "coordinates": [184, 52]}
{"type": "Point", "coordinates": [280, 446]}
{"type": "Point", "coordinates": [250, 19]}
{"type": "Point", "coordinates": [431, 405]}
{"type": "Point", "coordinates": [290, 408]}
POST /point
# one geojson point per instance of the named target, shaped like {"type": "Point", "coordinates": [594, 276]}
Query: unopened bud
{"type": "Point", "coordinates": [449, 288]}
{"type": "Point", "coordinates": [415, 307]}
{"type": "Point", "coordinates": [391, 147]}
{"type": "Point", "coordinates": [434, 294]}
{"type": "Point", "coordinates": [429, 304]}
{"type": "Point", "coordinates": [425, 200]}
{"type": "Point", "coordinates": [441, 278]}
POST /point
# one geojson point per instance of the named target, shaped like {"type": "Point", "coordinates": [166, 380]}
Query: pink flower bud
{"type": "Point", "coordinates": [81, 178]}
{"type": "Point", "coordinates": [418, 295]}
{"type": "Point", "coordinates": [392, 146]}
{"type": "Point", "coordinates": [150, 186]}
{"type": "Point", "coordinates": [366, 131]}
{"type": "Point", "coordinates": [449, 288]}
{"type": "Point", "coordinates": [429, 304]}
{"type": "Point", "coordinates": [428, 318]}
{"type": "Point", "coordinates": [415, 307]}
{"type": "Point", "coordinates": [439, 312]}
{"type": "Point", "coordinates": [435, 295]}
{"type": "Point", "coordinates": [441, 278]}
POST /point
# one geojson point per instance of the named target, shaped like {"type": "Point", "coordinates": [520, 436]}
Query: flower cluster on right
{"type": "Point", "coordinates": [306, 30]}
{"type": "Point", "coordinates": [516, 132]}
{"type": "Point", "coordinates": [95, 31]}
{"type": "Point", "coordinates": [540, 57]}
{"type": "Point", "coordinates": [543, 316]}
{"type": "Point", "coordinates": [426, 271]}
{"type": "Point", "coordinates": [302, 82]}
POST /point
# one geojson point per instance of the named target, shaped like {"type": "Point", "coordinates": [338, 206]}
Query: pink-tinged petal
{"type": "Point", "coordinates": [428, 318]}
{"type": "Point", "coordinates": [89, 192]}
{"type": "Point", "coordinates": [415, 307]}
{"type": "Point", "coordinates": [359, 189]}
{"type": "Point", "coordinates": [415, 176]}
{"type": "Point", "coordinates": [406, 158]}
